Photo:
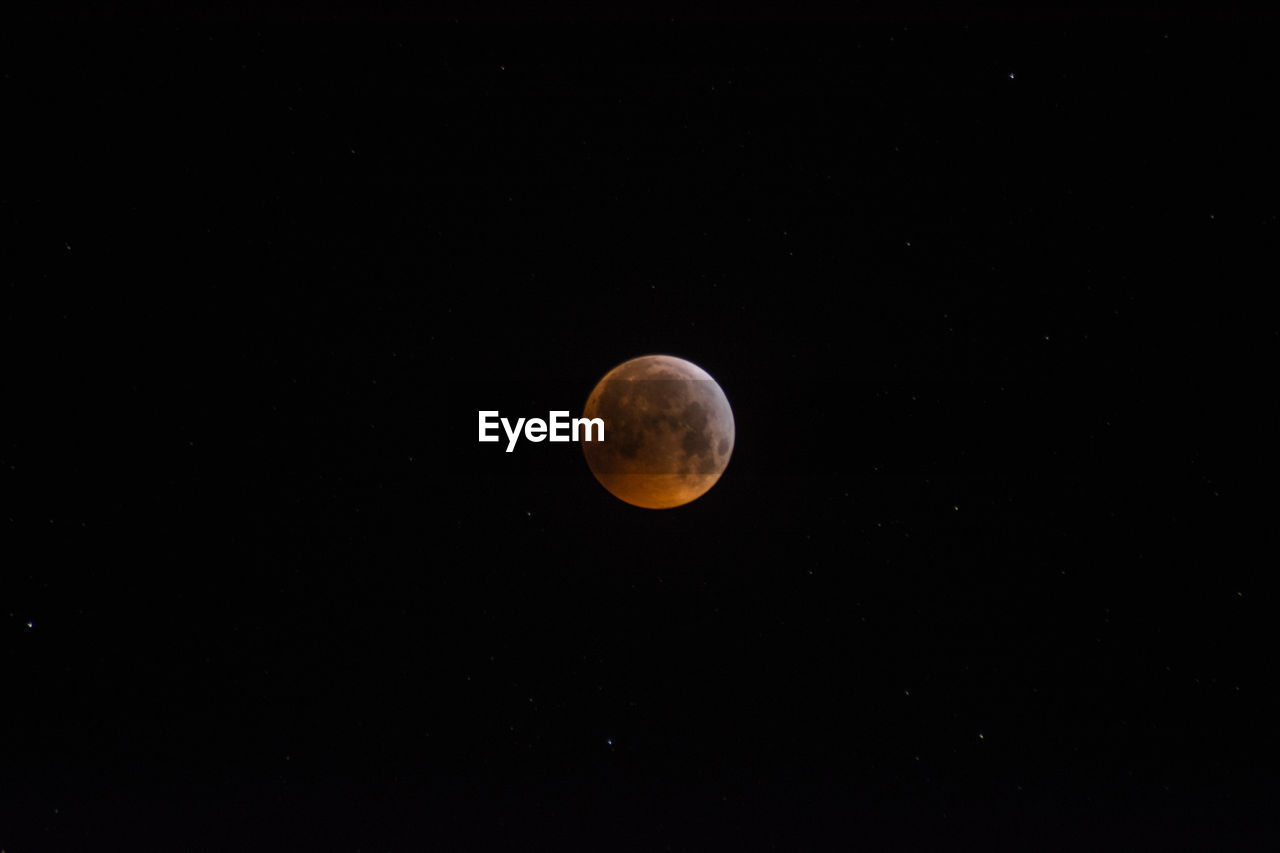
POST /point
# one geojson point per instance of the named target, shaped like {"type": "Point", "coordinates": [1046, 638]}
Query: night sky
{"type": "Point", "coordinates": [981, 572]}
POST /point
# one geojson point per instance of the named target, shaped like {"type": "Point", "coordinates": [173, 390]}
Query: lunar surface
{"type": "Point", "coordinates": [668, 431]}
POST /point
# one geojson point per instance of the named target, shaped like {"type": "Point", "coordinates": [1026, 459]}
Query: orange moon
{"type": "Point", "coordinates": [668, 431]}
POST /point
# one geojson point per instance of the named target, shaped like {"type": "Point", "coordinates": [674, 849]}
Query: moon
{"type": "Point", "coordinates": [668, 431]}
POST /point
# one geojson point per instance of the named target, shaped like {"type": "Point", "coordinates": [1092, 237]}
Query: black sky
{"type": "Point", "coordinates": [979, 287]}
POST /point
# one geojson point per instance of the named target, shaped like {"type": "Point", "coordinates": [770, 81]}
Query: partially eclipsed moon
{"type": "Point", "coordinates": [668, 431]}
